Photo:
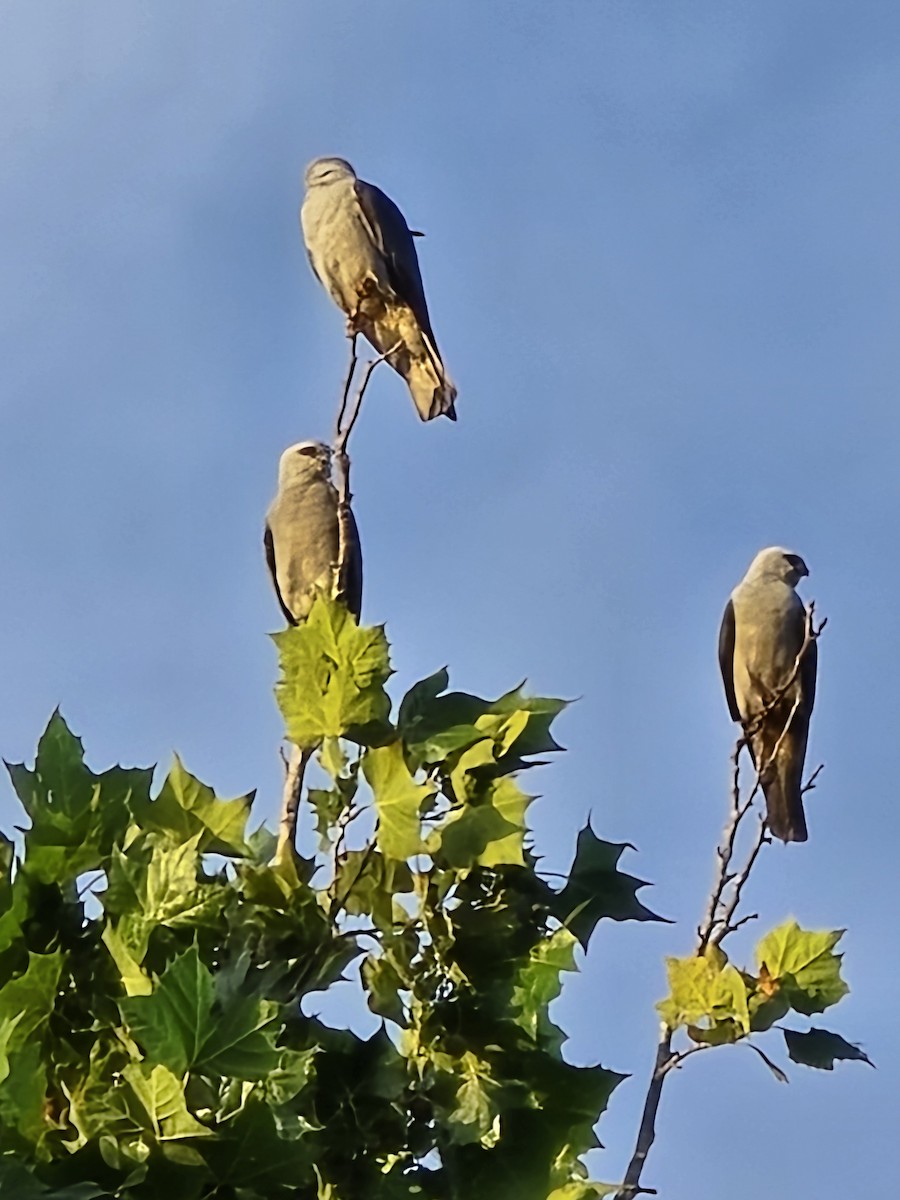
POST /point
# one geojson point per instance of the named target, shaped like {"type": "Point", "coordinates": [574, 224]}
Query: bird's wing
{"type": "Point", "coordinates": [726, 659]}
{"type": "Point", "coordinates": [808, 669]}
{"type": "Point", "coordinates": [269, 544]}
{"type": "Point", "coordinates": [391, 235]}
{"type": "Point", "coordinates": [353, 575]}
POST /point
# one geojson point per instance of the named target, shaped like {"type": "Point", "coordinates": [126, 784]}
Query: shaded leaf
{"type": "Point", "coordinates": [177, 1028]}
{"type": "Point", "coordinates": [596, 888]}
{"type": "Point", "coordinates": [821, 1049]}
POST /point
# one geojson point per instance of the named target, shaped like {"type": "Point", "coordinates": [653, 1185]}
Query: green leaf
{"type": "Point", "coordinates": [539, 982]}
{"type": "Point", "coordinates": [702, 990]}
{"type": "Point", "coordinates": [596, 888]}
{"type": "Point", "coordinates": [253, 1155]}
{"type": "Point", "coordinates": [13, 896]}
{"type": "Point", "coordinates": [177, 1027]}
{"type": "Point", "coordinates": [29, 999]}
{"type": "Point", "coordinates": [367, 882]}
{"type": "Point", "coordinates": [419, 701]}
{"type": "Point", "coordinates": [18, 1183]}
{"type": "Point", "coordinates": [23, 1089]}
{"type": "Point", "coordinates": [535, 737]}
{"type": "Point", "coordinates": [75, 814]}
{"type": "Point", "coordinates": [383, 985]}
{"type": "Point", "coordinates": [333, 677]}
{"type": "Point", "coordinates": [821, 1048]}
{"type": "Point", "coordinates": [802, 967]}
{"type": "Point", "coordinates": [472, 1118]}
{"type": "Point", "coordinates": [161, 1094]}
{"type": "Point", "coordinates": [135, 980]}
{"type": "Point", "coordinates": [480, 831]}
{"type": "Point", "coordinates": [398, 801]}
{"type": "Point", "coordinates": [186, 808]}
{"type": "Point", "coordinates": [155, 883]}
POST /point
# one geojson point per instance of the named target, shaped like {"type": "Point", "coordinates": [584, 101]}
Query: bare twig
{"type": "Point", "coordinates": [342, 430]}
{"type": "Point", "coordinates": [290, 802]}
{"type": "Point", "coordinates": [345, 395]}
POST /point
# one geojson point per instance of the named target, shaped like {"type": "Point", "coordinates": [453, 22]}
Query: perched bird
{"type": "Point", "coordinates": [362, 252]}
{"type": "Point", "coordinates": [762, 633]}
{"type": "Point", "coordinates": [302, 537]}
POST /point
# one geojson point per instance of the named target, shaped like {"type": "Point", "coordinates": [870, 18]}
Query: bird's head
{"type": "Point", "coordinates": [777, 563]}
{"type": "Point", "coordinates": [304, 458]}
{"type": "Point", "coordinates": [327, 170]}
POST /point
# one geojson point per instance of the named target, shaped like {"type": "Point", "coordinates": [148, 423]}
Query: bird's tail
{"type": "Point", "coordinates": [784, 807]}
{"type": "Point", "coordinates": [781, 784]}
{"type": "Point", "coordinates": [417, 360]}
{"type": "Point", "coordinates": [431, 388]}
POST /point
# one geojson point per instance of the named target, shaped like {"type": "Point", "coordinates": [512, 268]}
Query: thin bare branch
{"type": "Point", "coordinates": [348, 381]}
{"type": "Point", "coordinates": [342, 430]}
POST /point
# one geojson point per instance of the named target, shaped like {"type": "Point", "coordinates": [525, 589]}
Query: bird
{"type": "Point", "coordinates": [302, 536]}
{"type": "Point", "coordinates": [362, 252]}
{"type": "Point", "coordinates": [762, 633]}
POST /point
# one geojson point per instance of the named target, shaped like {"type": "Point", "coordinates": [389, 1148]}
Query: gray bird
{"type": "Point", "coordinates": [362, 252]}
{"type": "Point", "coordinates": [302, 536]}
{"type": "Point", "coordinates": [761, 635]}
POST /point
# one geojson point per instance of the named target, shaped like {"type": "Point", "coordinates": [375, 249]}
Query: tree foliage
{"type": "Point", "coordinates": [154, 960]}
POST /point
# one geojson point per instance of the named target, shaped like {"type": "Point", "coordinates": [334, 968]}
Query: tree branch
{"type": "Point", "coordinates": [342, 430]}
{"type": "Point", "coordinates": [631, 1184]}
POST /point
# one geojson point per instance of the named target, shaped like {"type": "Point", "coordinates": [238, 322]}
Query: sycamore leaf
{"type": "Point", "coordinates": [490, 829]}
{"type": "Point", "coordinates": [801, 966]}
{"type": "Point", "coordinates": [333, 677]}
{"type": "Point", "coordinates": [161, 1094]}
{"type": "Point", "coordinates": [822, 1049]}
{"type": "Point", "coordinates": [398, 800]}
{"type": "Point", "coordinates": [13, 896]}
{"type": "Point", "coordinates": [135, 980]}
{"type": "Point", "coordinates": [155, 882]}
{"type": "Point", "coordinates": [256, 1157]}
{"type": "Point", "coordinates": [29, 999]}
{"type": "Point", "coordinates": [419, 702]}
{"type": "Point", "coordinates": [75, 814]}
{"type": "Point", "coordinates": [539, 982]}
{"type": "Point", "coordinates": [701, 990]}
{"type": "Point", "coordinates": [596, 888]}
{"type": "Point", "coordinates": [472, 1118]}
{"type": "Point", "coordinates": [383, 985]}
{"type": "Point", "coordinates": [177, 1027]}
{"type": "Point", "coordinates": [186, 808]}
{"type": "Point", "coordinates": [18, 1183]}
{"type": "Point", "coordinates": [435, 726]}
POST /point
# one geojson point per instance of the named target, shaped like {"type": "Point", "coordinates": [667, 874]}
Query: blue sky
{"type": "Point", "coordinates": [663, 263]}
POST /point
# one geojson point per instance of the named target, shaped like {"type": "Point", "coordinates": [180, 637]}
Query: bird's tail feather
{"type": "Point", "coordinates": [417, 360]}
{"type": "Point", "coordinates": [781, 787]}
